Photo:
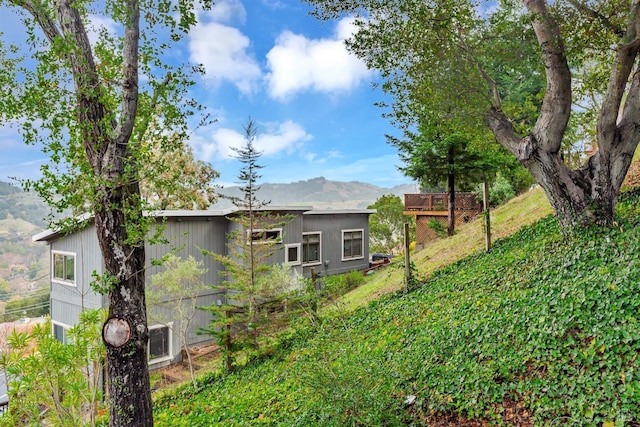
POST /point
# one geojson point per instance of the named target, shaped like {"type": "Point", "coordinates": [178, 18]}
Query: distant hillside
{"type": "Point", "coordinates": [24, 265]}
{"type": "Point", "coordinates": [320, 193]}
{"type": "Point", "coordinates": [19, 205]}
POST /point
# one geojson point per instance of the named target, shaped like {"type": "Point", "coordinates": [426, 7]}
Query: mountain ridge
{"type": "Point", "coordinates": [320, 193]}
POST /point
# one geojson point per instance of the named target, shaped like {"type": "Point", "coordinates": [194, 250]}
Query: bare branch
{"type": "Point", "coordinates": [504, 131]}
{"type": "Point", "coordinates": [496, 100]}
{"type": "Point", "coordinates": [626, 54]}
{"type": "Point", "coordinates": [556, 106]}
{"type": "Point", "coordinates": [130, 72]}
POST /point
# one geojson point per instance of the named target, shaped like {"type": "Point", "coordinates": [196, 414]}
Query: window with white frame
{"type": "Point", "coordinates": [64, 268]}
{"type": "Point", "coordinates": [266, 235]}
{"type": "Point", "coordinates": [311, 248]}
{"type": "Point", "coordinates": [60, 331]}
{"type": "Point", "coordinates": [292, 254]}
{"type": "Point", "coordinates": [159, 348]}
{"type": "Point", "coordinates": [352, 244]}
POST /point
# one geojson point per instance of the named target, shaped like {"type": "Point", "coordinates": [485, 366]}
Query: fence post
{"type": "Point", "coordinates": [487, 216]}
{"type": "Point", "coordinates": [407, 258]}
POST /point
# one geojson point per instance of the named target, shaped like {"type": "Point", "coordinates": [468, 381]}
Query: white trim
{"type": "Point", "coordinates": [64, 327]}
{"type": "Point", "coordinates": [312, 263]}
{"type": "Point", "coordinates": [361, 230]}
{"type": "Point", "coordinates": [75, 268]}
{"type": "Point", "coordinates": [169, 356]}
{"type": "Point", "coordinates": [298, 260]}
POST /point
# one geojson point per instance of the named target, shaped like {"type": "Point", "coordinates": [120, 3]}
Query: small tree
{"type": "Point", "coordinates": [51, 382]}
{"type": "Point", "coordinates": [386, 226]}
{"type": "Point", "coordinates": [249, 246]}
{"type": "Point", "coordinates": [178, 287]}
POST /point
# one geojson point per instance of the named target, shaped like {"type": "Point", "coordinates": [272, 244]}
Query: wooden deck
{"type": "Point", "coordinates": [427, 207]}
{"type": "Point", "coordinates": [437, 204]}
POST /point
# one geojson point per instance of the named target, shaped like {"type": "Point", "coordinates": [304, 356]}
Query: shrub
{"type": "Point", "coordinates": [438, 227]}
{"type": "Point", "coordinates": [501, 191]}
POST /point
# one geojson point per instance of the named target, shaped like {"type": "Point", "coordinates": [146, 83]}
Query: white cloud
{"type": "Point", "coordinates": [358, 169]}
{"type": "Point", "coordinates": [98, 23]}
{"type": "Point", "coordinates": [286, 137]}
{"type": "Point", "coordinates": [227, 11]}
{"type": "Point", "coordinates": [222, 49]}
{"type": "Point", "coordinates": [283, 137]}
{"type": "Point", "coordinates": [297, 63]}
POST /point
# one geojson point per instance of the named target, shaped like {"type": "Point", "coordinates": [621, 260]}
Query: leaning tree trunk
{"type": "Point", "coordinates": [587, 195]}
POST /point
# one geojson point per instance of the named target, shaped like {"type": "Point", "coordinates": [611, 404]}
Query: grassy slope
{"type": "Point", "coordinates": [544, 328]}
{"type": "Point", "coordinates": [469, 238]}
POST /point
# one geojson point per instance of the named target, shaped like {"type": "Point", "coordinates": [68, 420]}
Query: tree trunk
{"type": "Point", "coordinates": [451, 193]}
{"type": "Point", "coordinates": [125, 333]}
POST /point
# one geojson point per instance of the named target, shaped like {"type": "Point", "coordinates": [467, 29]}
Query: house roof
{"type": "Point", "coordinates": [49, 235]}
{"type": "Point", "coordinates": [340, 211]}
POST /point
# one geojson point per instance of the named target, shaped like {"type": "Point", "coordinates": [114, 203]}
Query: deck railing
{"type": "Point", "coordinates": [439, 202]}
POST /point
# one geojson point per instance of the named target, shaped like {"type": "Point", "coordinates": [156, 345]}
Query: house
{"type": "Point", "coordinates": [427, 207]}
{"type": "Point", "coordinates": [329, 241]}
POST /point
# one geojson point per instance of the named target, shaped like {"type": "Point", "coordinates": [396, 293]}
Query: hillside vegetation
{"type": "Point", "coordinates": [543, 330]}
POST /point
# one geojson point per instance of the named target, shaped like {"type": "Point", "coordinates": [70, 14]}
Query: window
{"type": "Point", "coordinates": [292, 254]}
{"type": "Point", "coordinates": [272, 235]}
{"type": "Point", "coordinates": [311, 248]}
{"type": "Point", "coordinates": [64, 268]}
{"type": "Point", "coordinates": [60, 332]}
{"type": "Point", "coordinates": [159, 343]}
{"type": "Point", "coordinates": [352, 244]}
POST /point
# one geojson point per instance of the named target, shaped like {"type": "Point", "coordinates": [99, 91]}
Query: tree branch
{"type": "Point", "coordinates": [556, 105]}
{"type": "Point", "coordinates": [626, 54]}
{"type": "Point", "coordinates": [40, 14]}
{"type": "Point", "coordinates": [605, 21]}
{"type": "Point", "coordinates": [130, 72]}
{"type": "Point", "coordinates": [504, 131]}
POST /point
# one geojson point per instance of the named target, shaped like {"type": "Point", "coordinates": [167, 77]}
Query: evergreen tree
{"type": "Point", "coordinates": [253, 241]}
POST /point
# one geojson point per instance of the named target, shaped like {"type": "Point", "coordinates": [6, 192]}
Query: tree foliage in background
{"type": "Point", "coordinates": [51, 382]}
{"type": "Point", "coordinates": [178, 288]}
{"type": "Point", "coordinates": [192, 179]}
{"type": "Point", "coordinates": [469, 57]}
{"type": "Point", "coordinates": [90, 105]}
{"type": "Point", "coordinates": [237, 319]}
{"type": "Point", "coordinates": [386, 226]}
{"type": "Point", "coordinates": [35, 305]}
{"type": "Point", "coordinates": [440, 159]}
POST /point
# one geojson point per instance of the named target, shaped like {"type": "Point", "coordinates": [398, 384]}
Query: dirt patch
{"type": "Point", "coordinates": [633, 175]}
{"type": "Point", "coordinates": [512, 414]}
{"type": "Point", "coordinates": [203, 358]}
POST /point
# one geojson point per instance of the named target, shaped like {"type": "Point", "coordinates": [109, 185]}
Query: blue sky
{"type": "Point", "coordinates": [313, 103]}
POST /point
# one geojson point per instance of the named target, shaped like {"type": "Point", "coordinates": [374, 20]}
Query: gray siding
{"type": "Point", "coordinates": [68, 301]}
{"type": "Point", "coordinates": [331, 227]}
{"type": "Point", "coordinates": [188, 235]}
{"type": "Point", "coordinates": [291, 233]}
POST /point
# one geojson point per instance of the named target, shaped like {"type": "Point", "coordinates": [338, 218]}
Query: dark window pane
{"type": "Point", "coordinates": [69, 266]}
{"type": "Point", "coordinates": [59, 333]}
{"type": "Point", "coordinates": [158, 342]}
{"type": "Point", "coordinates": [292, 254]}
